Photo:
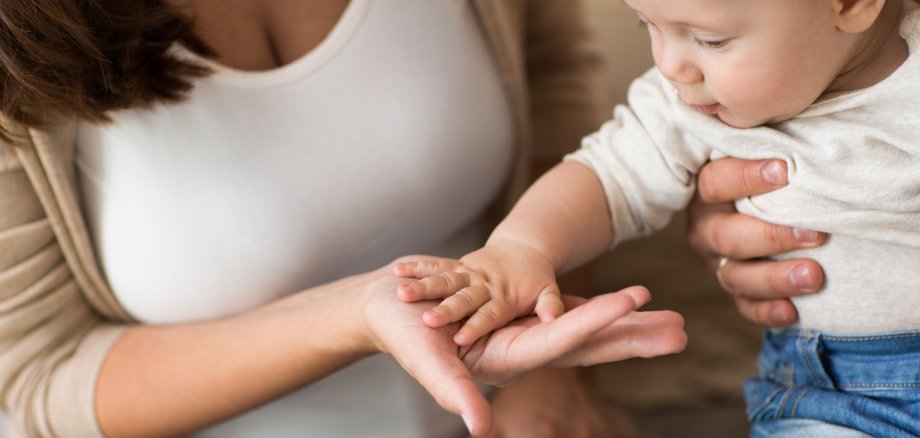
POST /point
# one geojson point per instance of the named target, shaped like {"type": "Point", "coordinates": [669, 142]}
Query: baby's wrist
{"type": "Point", "coordinates": [513, 242]}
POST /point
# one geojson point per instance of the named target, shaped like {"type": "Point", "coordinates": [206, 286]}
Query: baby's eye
{"type": "Point", "coordinates": [711, 44]}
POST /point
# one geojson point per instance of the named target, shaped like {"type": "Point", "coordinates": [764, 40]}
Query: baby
{"type": "Point", "coordinates": [832, 87]}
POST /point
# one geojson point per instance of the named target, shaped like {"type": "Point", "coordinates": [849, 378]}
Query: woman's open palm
{"type": "Point", "coordinates": [603, 329]}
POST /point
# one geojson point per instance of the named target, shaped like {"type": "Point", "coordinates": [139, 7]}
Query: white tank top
{"type": "Point", "coordinates": [390, 138]}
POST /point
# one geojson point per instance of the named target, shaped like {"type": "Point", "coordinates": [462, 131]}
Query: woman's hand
{"type": "Point", "coordinates": [733, 244]}
{"type": "Point", "coordinates": [603, 329]}
{"type": "Point", "coordinates": [555, 403]}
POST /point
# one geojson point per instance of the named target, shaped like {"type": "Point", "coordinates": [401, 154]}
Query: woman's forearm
{"type": "Point", "coordinates": [563, 215]}
{"type": "Point", "coordinates": [172, 380]}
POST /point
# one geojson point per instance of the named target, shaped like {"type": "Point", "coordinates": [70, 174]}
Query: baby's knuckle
{"type": "Point", "coordinates": [467, 298]}
{"type": "Point", "coordinates": [447, 280]}
{"type": "Point", "coordinates": [489, 314]}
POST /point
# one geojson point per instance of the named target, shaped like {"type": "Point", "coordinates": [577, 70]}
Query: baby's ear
{"type": "Point", "coordinates": [855, 16]}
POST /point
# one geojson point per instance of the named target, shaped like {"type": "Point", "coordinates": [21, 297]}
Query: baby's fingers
{"type": "Point", "coordinates": [492, 315]}
{"type": "Point", "coordinates": [424, 268]}
{"type": "Point", "coordinates": [549, 304]}
{"type": "Point", "coordinates": [435, 287]}
{"type": "Point", "coordinates": [456, 307]}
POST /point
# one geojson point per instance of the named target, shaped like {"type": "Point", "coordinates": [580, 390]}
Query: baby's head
{"type": "Point", "coordinates": [752, 62]}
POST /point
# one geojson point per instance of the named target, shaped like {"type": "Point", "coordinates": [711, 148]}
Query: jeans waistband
{"type": "Point", "coordinates": [875, 363]}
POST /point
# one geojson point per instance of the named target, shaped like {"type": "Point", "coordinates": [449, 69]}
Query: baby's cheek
{"type": "Point", "coordinates": [755, 103]}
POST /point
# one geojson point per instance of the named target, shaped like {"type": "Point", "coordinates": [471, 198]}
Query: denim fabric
{"type": "Point", "coordinates": [802, 428]}
{"type": "Point", "coordinates": [862, 383]}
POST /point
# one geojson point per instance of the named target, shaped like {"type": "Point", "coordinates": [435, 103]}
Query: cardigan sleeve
{"type": "Point", "coordinates": [564, 65]}
{"type": "Point", "coordinates": [52, 341]}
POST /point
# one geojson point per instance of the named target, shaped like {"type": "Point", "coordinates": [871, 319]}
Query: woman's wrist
{"type": "Point", "coordinates": [342, 330]}
{"type": "Point", "coordinates": [362, 297]}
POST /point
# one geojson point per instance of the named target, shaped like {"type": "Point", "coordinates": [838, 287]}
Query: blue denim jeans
{"type": "Point", "coordinates": [817, 385]}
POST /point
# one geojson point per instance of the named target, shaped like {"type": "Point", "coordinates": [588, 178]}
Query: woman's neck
{"type": "Point", "coordinates": [257, 35]}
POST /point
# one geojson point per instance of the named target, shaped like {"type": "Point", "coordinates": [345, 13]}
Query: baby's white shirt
{"type": "Point", "coordinates": [854, 172]}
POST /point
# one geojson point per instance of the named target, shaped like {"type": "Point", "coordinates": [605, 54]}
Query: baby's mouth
{"type": "Point", "coordinates": [708, 109]}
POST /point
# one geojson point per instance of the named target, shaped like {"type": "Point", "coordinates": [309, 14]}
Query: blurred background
{"type": "Point", "coordinates": [698, 392]}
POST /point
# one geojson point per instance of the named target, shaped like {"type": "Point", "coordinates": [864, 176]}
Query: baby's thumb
{"type": "Point", "coordinates": [549, 303]}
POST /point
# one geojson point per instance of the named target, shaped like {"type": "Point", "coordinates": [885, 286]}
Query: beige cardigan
{"type": "Point", "coordinates": [58, 316]}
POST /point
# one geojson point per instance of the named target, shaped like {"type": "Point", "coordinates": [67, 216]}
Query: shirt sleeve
{"type": "Point", "coordinates": [644, 161]}
{"type": "Point", "coordinates": [52, 341]}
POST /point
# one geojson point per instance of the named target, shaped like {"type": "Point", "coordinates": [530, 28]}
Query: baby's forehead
{"type": "Point", "coordinates": [724, 16]}
{"type": "Point", "coordinates": [689, 12]}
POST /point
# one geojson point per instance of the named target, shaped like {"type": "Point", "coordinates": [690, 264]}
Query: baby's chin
{"type": "Point", "coordinates": [742, 122]}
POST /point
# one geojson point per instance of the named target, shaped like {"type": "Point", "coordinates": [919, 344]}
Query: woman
{"type": "Point", "coordinates": [225, 250]}
{"type": "Point", "coordinates": [207, 216]}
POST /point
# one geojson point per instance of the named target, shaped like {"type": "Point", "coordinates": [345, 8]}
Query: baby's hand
{"type": "Point", "coordinates": [492, 286]}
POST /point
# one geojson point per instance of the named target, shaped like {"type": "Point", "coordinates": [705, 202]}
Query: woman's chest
{"type": "Point", "coordinates": [262, 185]}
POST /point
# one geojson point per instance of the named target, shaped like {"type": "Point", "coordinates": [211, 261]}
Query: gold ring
{"type": "Point", "coordinates": [722, 262]}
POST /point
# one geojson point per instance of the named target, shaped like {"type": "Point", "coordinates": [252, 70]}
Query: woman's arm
{"type": "Point", "coordinates": [173, 380]}
{"type": "Point", "coordinates": [65, 370]}
{"type": "Point", "coordinates": [715, 229]}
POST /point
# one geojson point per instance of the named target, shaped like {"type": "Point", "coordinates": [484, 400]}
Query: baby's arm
{"type": "Point", "coordinates": [562, 221]}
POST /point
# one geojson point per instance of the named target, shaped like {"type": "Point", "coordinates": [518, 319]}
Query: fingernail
{"type": "Point", "coordinates": [774, 173]}
{"type": "Point", "coordinates": [801, 278]}
{"type": "Point", "coordinates": [779, 316]}
{"type": "Point", "coordinates": [804, 235]}
{"type": "Point", "coordinates": [467, 422]}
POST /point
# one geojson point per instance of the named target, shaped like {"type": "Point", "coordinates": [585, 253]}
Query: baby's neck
{"type": "Point", "coordinates": [878, 52]}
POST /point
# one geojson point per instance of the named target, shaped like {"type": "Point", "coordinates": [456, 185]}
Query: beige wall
{"type": "Point", "coordinates": [626, 45]}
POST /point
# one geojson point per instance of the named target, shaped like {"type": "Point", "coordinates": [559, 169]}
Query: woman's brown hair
{"type": "Point", "coordinates": [84, 58]}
